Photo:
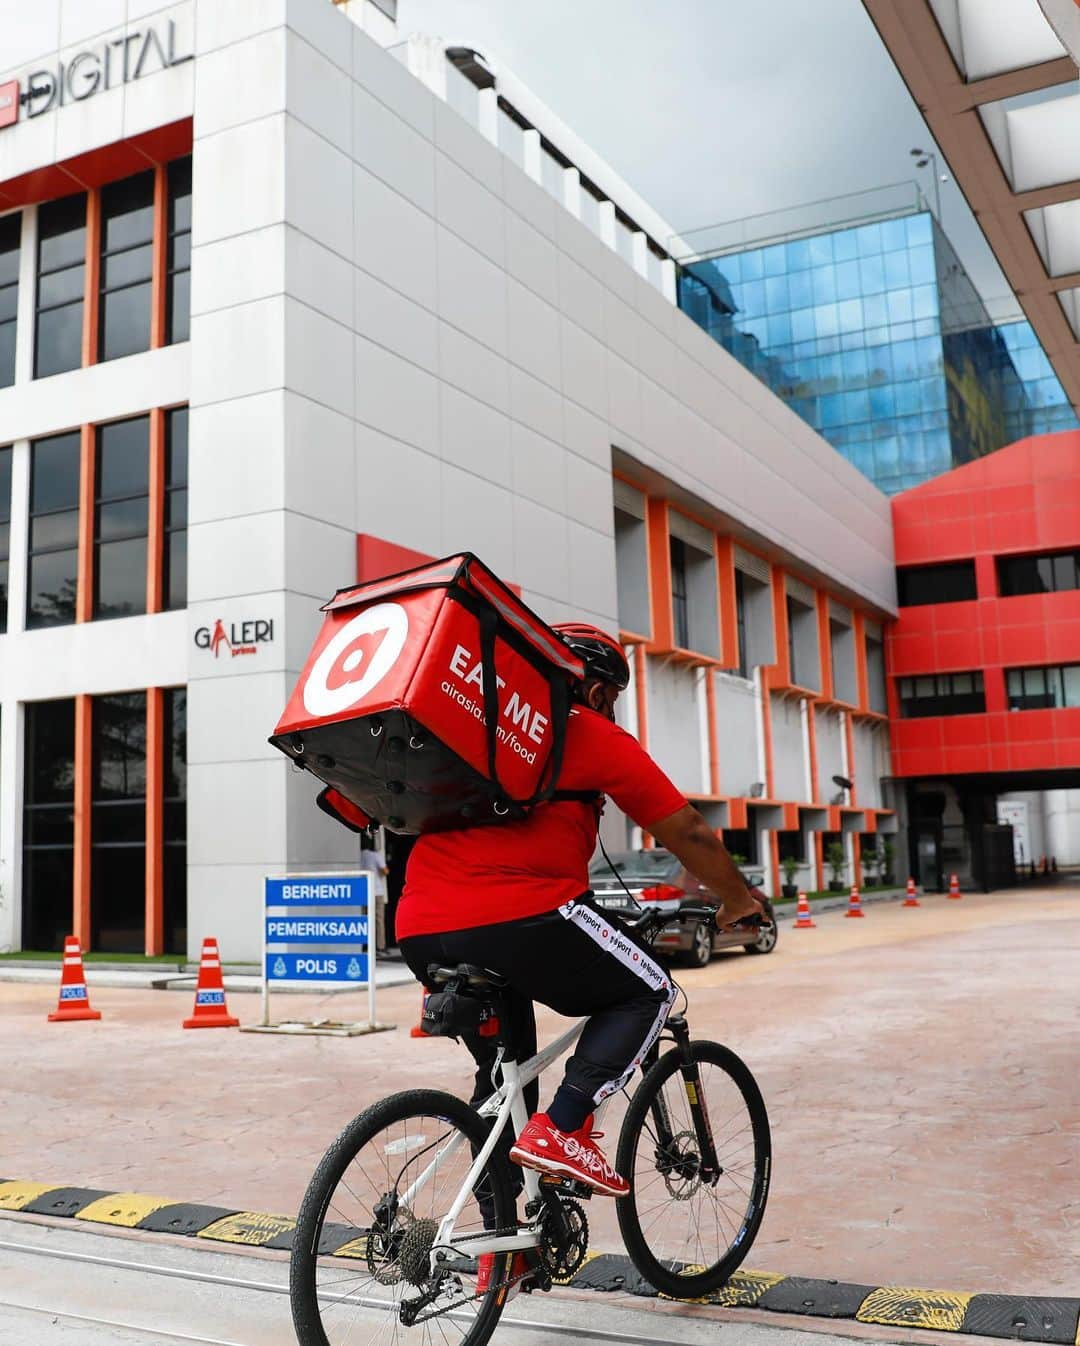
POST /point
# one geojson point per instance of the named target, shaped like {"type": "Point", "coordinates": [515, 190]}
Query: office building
{"type": "Point", "coordinates": [875, 335]}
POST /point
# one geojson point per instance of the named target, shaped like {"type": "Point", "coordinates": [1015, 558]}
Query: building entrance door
{"type": "Point", "coordinates": [928, 858]}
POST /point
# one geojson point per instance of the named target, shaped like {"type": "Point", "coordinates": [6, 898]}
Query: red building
{"type": "Point", "coordinates": [984, 661]}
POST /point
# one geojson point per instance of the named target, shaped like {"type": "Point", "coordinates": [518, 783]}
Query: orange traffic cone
{"type": "Point", "coordinates": [74, 1001]}
{"type": "Point", "coordinates": [911, 900]}
{"type": "Point", "coordinates": [954, 888]}
{"type": "Point", "coordinates": [418, 1031]}
{"type": "Point", "coordinates": [210, 1009]}
{"type": "Point", "coordinates": [802, 914]}
{"type": "Point", "coordinates": [854, 906]}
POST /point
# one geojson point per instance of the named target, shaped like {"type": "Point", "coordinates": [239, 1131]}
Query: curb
{"type": "Point", "coordinates": [840, 902]}
{"type": "Point", "coordinates": [1019, 1317]}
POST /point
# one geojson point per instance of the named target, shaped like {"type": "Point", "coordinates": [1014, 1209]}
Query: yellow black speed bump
{"type": "Point", "coordinates": [1019, 1317]}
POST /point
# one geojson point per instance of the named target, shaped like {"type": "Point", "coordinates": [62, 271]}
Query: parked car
{"type": "Point", "coordinates": [655, 878]}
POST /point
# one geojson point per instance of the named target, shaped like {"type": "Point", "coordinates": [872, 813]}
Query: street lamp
{"type": "Point", "coordinates": [922, 158]}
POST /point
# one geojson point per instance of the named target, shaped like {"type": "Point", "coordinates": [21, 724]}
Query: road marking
{"type": "Point", "coordinates": [902, 1306]}
{"type": "Point", "coordinates": [16, 1195]}
{"type": "Point", "coordinates": [249, 1227]}
{"type": "Point", "coordinates": [125, 1209]}
{"type": "Point", "coordinates": [1047, 1319]}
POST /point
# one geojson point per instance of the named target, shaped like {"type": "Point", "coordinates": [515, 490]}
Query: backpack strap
{"type": "Point", "coordinates": [576, 796]}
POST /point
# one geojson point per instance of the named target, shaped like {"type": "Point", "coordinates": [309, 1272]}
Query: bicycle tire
{"type": "Point", "coordinates": [664, 1275]}
{"type": "Point", "coordinates": [304, 1260]}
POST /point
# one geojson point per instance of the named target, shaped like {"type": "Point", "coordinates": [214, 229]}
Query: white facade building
{"type": "Point", "coordinates": [403, 340]}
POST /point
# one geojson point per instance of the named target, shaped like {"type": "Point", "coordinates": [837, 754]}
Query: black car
{"type": "Point", "coordinates": [656, 879]}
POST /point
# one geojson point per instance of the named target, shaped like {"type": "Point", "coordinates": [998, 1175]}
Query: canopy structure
{"type": "Point", "coordinates": [1001, 96]}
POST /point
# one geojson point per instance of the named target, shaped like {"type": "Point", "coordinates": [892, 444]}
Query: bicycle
{"type": "Point", "coordinates": [418, 1191]}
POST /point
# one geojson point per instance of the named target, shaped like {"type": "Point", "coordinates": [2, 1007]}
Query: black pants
{"type": "Point", "coordinates": [577, 961]}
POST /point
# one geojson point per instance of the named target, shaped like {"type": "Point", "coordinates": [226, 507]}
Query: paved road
{"type": "Point", "coordinates": [919, 1068]}
{"type": "Point", "coordinates": [65, 1287]}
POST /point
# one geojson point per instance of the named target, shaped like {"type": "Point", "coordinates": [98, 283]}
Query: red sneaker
{"type": "Point", "coordinates": [485, 1269]}
{"type": "Point", "coordinates": [541, 1145]}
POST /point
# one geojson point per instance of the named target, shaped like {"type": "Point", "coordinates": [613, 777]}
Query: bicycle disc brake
{"type": "Point", "coordinates": [679, 1165]}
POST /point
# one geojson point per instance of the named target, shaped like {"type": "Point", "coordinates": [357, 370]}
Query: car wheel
{"type": "Point", "coordinates": [766, 940]}
{"type": "Point", "coordinates": [701, 946]}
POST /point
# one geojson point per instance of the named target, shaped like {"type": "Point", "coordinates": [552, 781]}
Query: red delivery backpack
{"type": "Point", "coordinates": [432, 699]}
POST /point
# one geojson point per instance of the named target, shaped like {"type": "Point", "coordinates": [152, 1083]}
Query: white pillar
{"type": "Point", "coordinates": [606, 211]}
{"type": "Point", "coordinates": [426, 59]}
{"type": "Point", "coordinates": [530, 161]}
{"type": "Point", "coordinates": [667, 280]}
{"type": "Point", "coordinates": [704, 745]}
{"type": "Point", "coordinates": [487, 114]}
{"type": "Point", "coordinates": [804, 717]}
{"type": "Point", "coordinates": [24, 324]}
{"type": "Point", "coordinates": [11, 796]}
{"type": "Point", "coordinates": [639, 251]}
{"type": "Point", "coordinates": [571, 187]}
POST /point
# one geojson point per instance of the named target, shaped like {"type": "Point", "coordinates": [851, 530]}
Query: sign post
{"type": "Point", "coordinates": [319, 935]}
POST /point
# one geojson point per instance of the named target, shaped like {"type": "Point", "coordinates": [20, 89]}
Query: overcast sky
{"type": "Point", "coordinates": [717, 109]}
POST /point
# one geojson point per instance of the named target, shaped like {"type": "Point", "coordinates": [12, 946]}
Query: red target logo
{"type": "Point", "coordinates": [356, 660]}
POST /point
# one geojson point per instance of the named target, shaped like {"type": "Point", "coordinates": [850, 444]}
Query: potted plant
{"type": "Point", "coordinates": [888, 854]}
{"type": "Point", "coordinates": [790, 866]}
{"type": "Point", "coordinates": [837, 862]}
{"type": "Point", "coordinates": [870, 860]}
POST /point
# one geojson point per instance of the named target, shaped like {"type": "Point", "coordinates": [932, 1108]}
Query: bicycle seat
{"type": "Point", "coordinates": [478, 978]}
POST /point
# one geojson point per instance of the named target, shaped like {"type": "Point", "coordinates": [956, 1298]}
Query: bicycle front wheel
{"type": "Point", "coordinates": [684, 1232]}
{"type": "Point", "coordinates": [361, 1255]}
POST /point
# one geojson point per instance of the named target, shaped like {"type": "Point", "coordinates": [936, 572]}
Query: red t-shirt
{"type": "Point", "coordinates": [484, 875]}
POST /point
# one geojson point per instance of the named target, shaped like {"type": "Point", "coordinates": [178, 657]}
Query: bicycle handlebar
{"type": "Point", "coordinates": [644, 924]}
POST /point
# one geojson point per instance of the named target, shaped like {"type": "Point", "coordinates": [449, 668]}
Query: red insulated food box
{"type": "Point", "coordinates": [432, 699]}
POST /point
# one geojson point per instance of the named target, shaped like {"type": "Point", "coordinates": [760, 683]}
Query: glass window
{"type": "Point", "coordinates": [48, 823]}
{"type": "Point", "coordinates": [1071, 681]}
{"type": "Point", "coordinates": [127, 234]}
{"type": "Point", "coordinates": [178, 255]}
{"type": "Point", "coordinates": [871, 275]}
{"type": "Point", "coordinates": [951, 583]}
{"type": "Point", "coordinates": [174, 585]}
{"type": "Point", "coordinates": [801, 289]}
{"type": "Point", "coordinates": [943, 694]}
{"type": "Point", "coordinates": [897, 275]}
{"type": "Point", "coordinates": [845, 247]}
{"type": "Point", "coordinates": [5, 532]}
{"type": "Point", "coordinates": [679, 608]}
{"type": "Point", "coordinates": [118, 865]}
{"type": "Point", "coordinates": [61, 277]}
{"type": "Point", "coordinates": [121, 518]}
{"type": "Point", "coordinates": [743, 667]}
{"type": "Point", "coordinates": [53, 563]}
{"type": "Point", "coordinates": [175, 796]}
{"type": "Point", "coordinates": [10, 231]}
{"type": "Point", "coordinates": [1049, 573]}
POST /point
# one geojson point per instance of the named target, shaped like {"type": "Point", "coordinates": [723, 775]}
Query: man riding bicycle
{"type": "Point", "coordinates": [514, 899]}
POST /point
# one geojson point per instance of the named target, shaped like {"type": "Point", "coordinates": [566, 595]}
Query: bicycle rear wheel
{"type": "Point", "coordinates": [686, 1235]}
{"type": "Point", "coordinates": [360, 1266]}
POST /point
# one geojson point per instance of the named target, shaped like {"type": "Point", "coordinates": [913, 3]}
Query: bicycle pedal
{"type": "Point", "coordinates": [568, 1186]}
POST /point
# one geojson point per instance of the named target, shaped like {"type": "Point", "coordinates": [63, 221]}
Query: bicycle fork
{"type": "Point", "coordinates": [705, 1167]}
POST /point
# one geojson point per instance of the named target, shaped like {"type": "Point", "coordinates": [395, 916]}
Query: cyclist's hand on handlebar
{"type": "Point", "coordinates": [750, 908]}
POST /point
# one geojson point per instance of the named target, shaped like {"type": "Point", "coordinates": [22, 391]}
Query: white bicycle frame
{"type": "Point", "coordinates": [506, 1105]}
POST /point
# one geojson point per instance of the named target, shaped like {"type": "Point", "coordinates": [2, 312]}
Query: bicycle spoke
{"type": "Point", "coordinates": [676, 1218]}
{"type": "Point", "coordinates": [393, 1190]}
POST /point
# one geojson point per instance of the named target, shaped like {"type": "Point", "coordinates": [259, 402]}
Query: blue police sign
{"type": "Point", "coordinates": [317, 928]}
{"type": "Point", "coordinates": [338, 967]}
{"type": "Point", "coordinates": [318, 890]}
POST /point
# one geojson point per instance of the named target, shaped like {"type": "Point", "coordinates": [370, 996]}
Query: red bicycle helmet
{"type": "Point", "coordinates": [603, 656]}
